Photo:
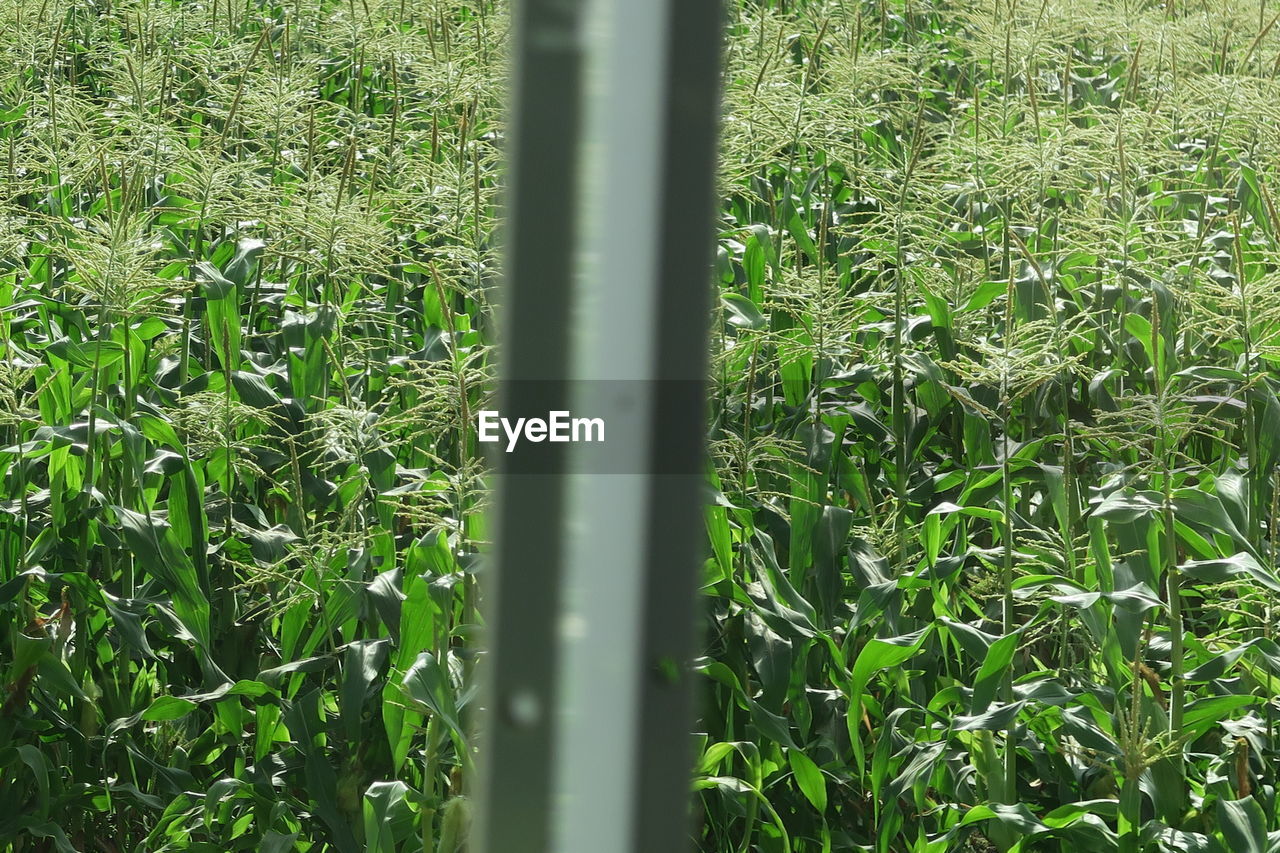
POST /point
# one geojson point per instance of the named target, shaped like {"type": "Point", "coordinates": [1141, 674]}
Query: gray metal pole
{"type": "Point", "coordinates": [663, 744]}
{"type": "Point", "coordinates": [636, 532]}
{"type": "Point", "coordinates": [593, 755]}
{"type": "Point", "coordinates": [516, 749]}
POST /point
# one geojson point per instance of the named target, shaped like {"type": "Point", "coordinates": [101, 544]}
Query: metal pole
{"type": "Point", "coordinates": [516, 749]}
{"type": "Point", "coordinates": [626, 525]}
{"type": "Point", "coordinates": [636, 525]}
{"type": "Point", "coordinates": [663, 746]}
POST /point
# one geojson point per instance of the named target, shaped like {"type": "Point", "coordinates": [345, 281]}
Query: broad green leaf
{"type": "Point", "coordinates": [809, 779]}
{"type": "Point", "coordinates": [1243, 825]}
{"type": "Point", "coordinates": [166, 708]}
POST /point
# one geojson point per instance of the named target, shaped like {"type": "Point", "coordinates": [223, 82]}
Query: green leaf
{"type": "Point", "coordinates": [798, 231]}
{"type": "Point", "coordinates": [770, 725]}
{"type": "Point", "coordinates": [1243, 825]}
{"type": "Point", "coordinates": [992, 719]}
{"type": "Point", "coordinates": [241, 266]}
{"type": "Point", "coordinates": [809, 779]}
{"type": "Point", "coordinates": [878, 654]}
{"type": "Point", "coordinates": [154, 547]}
{"type": "Point", "coordinates": [1217, 571]}
{"type": "Point", "coordinates": [985, 294]}
{"type": "Point", "coordinates": [166, 708]}
{"type": "Point", "coordinates": [427, 685]}
{"type": "Point", "coordinates": [1127, 506]}
{"type": "Point", "coordinates": [387, 816]}
{"type": "Point", "coordinates": [994, 665]}
{"type": "Point", "coordinates": [743, 313]}
{"type": "Point", "coordinates": [1205, 512]}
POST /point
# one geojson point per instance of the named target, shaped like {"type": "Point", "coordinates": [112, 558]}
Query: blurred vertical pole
{"type": "Point", "coordinates": [593, 754]}
{"type": "Point", "coordinates": [636, 531]}
{"type": "Point", "coordinates": [663, 743]}
{"type": "Point", "coordinates": [522, 598]}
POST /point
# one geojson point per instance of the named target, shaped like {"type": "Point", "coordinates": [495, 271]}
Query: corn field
{"type": "Point", "coordinates": [994, 425]}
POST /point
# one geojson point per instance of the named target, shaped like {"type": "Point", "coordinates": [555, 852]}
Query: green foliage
{"type": "Point", "coordinates": [244, 259]}
{"type": "Point", "coordinates": [994, 415]}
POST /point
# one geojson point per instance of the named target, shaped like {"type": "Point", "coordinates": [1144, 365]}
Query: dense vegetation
{"type": "Point", "coordinates": [994, 413]}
